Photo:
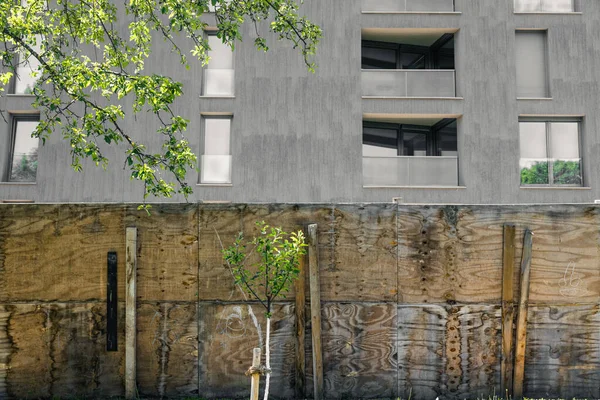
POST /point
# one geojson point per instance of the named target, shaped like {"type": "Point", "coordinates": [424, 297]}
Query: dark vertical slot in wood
{"type": "Point", "coordinates": [111, 302]}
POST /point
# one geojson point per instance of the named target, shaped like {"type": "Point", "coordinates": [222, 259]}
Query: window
{"type": "Point", "coordinates": [550, 152]}
{"type": "Point", "coordinates": [415, 153]}
{"type": "Point", "coordinates": [540, 6]}
{"type": "Point", "coordinates": [216, 155]}
{"type": "Point", "coordinates": [385, 55]}
{"type": "Point", "coordinates": [25, 72]}
{"type": "Point", "coordinates": [218, 74]}
{"type": "Point", "coordinates": [532, 71]}
{"type": "Point", "coordinates": [23, 160]}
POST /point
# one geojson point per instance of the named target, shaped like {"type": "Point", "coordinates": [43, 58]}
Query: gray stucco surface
{"type": "Point", "coordinates": [297, 136]}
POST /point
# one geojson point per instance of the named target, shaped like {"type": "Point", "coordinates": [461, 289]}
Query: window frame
{"type": "Point", "coordinates": [205, 117]}
{"type": "Point", "coordinates": [575, 4]}
{"type": "Point", "coordinates": [431, 134]}
{"type": "Point", "coordinates": [548, 121]}
{"type": "Point", "coordinates": [207, 33]}
{"type": "Point", "coordinates": [14, 119]}
{"type": "Point", "coordinates": [431, 53]}
{"type": "Point", "coordinates": [546, 50]}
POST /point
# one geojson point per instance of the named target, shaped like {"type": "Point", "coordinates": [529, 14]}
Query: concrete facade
{"type": "Point", "coordinates": [297, 136]}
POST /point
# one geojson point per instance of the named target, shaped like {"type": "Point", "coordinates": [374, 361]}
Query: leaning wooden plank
{"type": "Point", "coordinates": [299, 286]}
{"type": "Point", "coordinates": [508, 311]}
{"type": "Point", "coordinates": [130, 314]}
{"type": "Point", "coordinates": [521, 341]}
{"type": "Point", "coordinates": [315, 311]}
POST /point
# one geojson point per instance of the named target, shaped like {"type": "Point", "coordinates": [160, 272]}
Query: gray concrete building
{"type": "Point", "coordinates": [428, 101]}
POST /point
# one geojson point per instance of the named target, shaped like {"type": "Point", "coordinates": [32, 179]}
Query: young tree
{"type": "Point", "coordinates": [89, 54]}
{"type": "Point", "coordinates": [267, 271]}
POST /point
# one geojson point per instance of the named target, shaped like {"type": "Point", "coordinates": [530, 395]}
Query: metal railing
{"type": "Point", "coordinates": [410, 171]}
{"type": "Point", "coordinates": [408, 5]}
{"type": "Point", "coordinates": [408, 83]}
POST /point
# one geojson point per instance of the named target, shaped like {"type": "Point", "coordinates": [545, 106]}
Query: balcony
{"type": "Point", "coordinates": [408, 83]}
{"type": "Point", "coordinates": [410, 171]}
{"type": "Point", "coordinates": [408, 5]}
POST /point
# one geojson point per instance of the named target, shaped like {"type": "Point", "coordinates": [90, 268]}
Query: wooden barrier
{"type": "Point", "coordinates": [414, 300]}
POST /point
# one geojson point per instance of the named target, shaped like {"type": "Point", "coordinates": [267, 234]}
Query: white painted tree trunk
{"type": "Point", "coordinates": [268, 358]}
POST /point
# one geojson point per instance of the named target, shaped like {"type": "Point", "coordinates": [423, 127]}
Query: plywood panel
{"type": "Point", "coordinates": [224, 222]}
{"type": "Point", "coordinates": [227, 335]}
{"type": "Point", "coordinates": [359, 350]}
{"type": "Point", "coordinates": [58, 252]}
{"type": "Point", "coordinates": [167, 350]}
{"type": "Point", "coordinates": [167, 252]}
{"type": "Point", "coordinates": [565, 264]}
{"type": "Point", "coordinates": [364, 264]}
{"type": "Point", "coordinates": [563, 352]}
{"type": "Point", "coordinates": [449, 254]}
{"type": "Point", "coordinates": [450, 351]}
{"type": "Point", "coordinates": [60, 350]}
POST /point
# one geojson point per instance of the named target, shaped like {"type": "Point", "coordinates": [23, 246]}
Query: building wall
{"type": "Point", "coordinates": [297, 136]}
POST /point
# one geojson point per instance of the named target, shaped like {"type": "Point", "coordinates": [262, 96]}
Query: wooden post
{"type": "Point", "coordinates": [315, 311]}
{"type": "Point", "coordinates": [519, 368]}
{"type": "Point", "coordinates": [508, 308]}
{"type": "Point", "coordinates": [130, 311]}
{"type": "Point", "coordinates": [300, 328]}
{"type": "Point", "coordinates": [255, 379]}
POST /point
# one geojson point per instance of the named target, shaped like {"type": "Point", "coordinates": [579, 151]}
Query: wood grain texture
{"type": "Point", "coordinates": [448, 351]}
{"type": "Point", "coordinates": [315, 311]}
{"type": "Point", "coordinates": [167, 252]}
{"type": "Point", "coordinates": [60, 350]}
{"type": "Point", "coordinates": [58, 252]}
{"type": "Point", "coordinates": [508, 308]}
{"type": "Point", "coordinates": [521, 328]}
{"type": "Point", "coordinates": [300, 311]}
{"type": "Point", "coordinates": [167, 348]}
{"type": "Point", "coordinates": [130, 312]}
{"type": "Point", "coordinates": [226, 221]}
{"type": "Point", "coordinates": [563, 352]}
{"type": "Point", "coordinates": [5, 350]}
{"type": "Point", "coordinates": [449, 254]}
{"type": "Point", "coordinates": [227, 335]}
{"type": "Point", "coordinates": [365, 263]}
{"type": "Point", "coordinates": [359, 350]}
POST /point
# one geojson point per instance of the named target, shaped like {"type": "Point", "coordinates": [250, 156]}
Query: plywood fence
{"type": "Point", "coordinates": [411, 301]}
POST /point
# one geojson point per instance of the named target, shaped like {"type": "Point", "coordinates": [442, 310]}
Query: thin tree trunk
{"type": "Point", "coordinates": [268, 358]}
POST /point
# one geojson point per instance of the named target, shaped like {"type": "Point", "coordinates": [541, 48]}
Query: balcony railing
{"type": "Point", "coordinates": [408, 83]}
{"type": "Point", "coordinates": [215, 169]}
{"type": "Point", "coordinates": [410, 171]}
{"type": "Point", "coordinates": [408, 5]}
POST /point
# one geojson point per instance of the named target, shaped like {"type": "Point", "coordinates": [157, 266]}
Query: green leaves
{"type": "Point", "coordinates": [89, 59]}
{"type": "Point", "coordinates": [269, 269]}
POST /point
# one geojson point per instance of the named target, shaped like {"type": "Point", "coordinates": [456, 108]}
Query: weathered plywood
{"type": "Point", "coordinates": [60, 350]}
{"type": "Point", "coordinates": [449, 254]}
{"type": "Point", "coordinates": [449, 351]}
{"type": "Point", "coordinates": [167, 252]}
{"type": "Point", "coordinates": [228, 333]}
{"type": "Point", "coordinates": [224, 222]}
{"type": "Point", "coordinates": [565, 264]}
{"type": "Point", "coordinates": [58, 252]}
{"type": "Point", "coordinates": [167, 350]}
{"type": "Point", "coordinates": [563, 352]}
{"type": "Point", "coordinates": [359, 350]}
{"type": "Point", "coordinates": [365, 263]}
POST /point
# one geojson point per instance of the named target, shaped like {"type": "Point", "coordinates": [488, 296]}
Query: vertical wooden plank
{"type": "Point", "coordinates": [521, 341]}
{"type": "Point", "coordinates": [111, 301]}
{"type": "Point", "coordinates": [254, 386]}
{"type": "Point", "coordinates": [508, 266]}
{"type": "Point", "coordinates": [315, 311]}
{"type": "Point", "coordinates": [130, 314]}
{"type": "Point", "coordinates": [300, 328]}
